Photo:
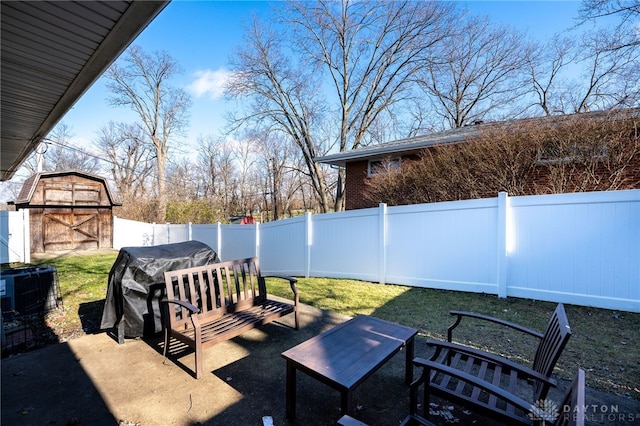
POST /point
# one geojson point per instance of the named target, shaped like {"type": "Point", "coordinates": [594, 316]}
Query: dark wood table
{"type": "Point", "coordinates": [346, 355]}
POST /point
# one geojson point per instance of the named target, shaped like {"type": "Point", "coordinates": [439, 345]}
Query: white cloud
{"type": "Point", "coordinates": [209, 82]}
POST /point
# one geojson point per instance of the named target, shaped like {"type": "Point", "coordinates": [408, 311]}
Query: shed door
{"type": "Point", "coordinates": [70, 229]}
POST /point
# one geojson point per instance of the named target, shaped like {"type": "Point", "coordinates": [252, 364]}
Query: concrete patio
{"type": "Point", "coordinates": [92, 380]}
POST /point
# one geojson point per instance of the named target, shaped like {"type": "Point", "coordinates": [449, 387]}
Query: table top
{"type": "Point", "coordinates": [349, 352]}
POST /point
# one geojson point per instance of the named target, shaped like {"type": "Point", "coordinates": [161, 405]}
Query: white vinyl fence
{"type": "Point", "coordinates": [15, 241]}
{"type": "Point", "coordinates": [581, 248]}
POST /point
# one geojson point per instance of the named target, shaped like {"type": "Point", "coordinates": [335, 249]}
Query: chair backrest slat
{"type": "Point", "coordinates": [550, 347]}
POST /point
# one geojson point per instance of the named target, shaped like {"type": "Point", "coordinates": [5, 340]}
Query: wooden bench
{"type": "Point", "coordinates": [212, 303]}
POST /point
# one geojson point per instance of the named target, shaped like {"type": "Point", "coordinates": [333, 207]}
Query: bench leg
{"type": "Point", "coordinates": [166, 344]}
{"type": "Point", "coordinates": [291, 391]}
{"type": "Point", "coordinates": [198, 352]}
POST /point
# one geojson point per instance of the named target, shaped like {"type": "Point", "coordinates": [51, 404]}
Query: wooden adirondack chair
{"type": "Point", "coordinates": [457, 364]}
{"type": "Point", "coordinates": [569, 413]}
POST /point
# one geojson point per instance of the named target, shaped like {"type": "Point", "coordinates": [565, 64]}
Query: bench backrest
{"type": "Point", "coordinates": [216, 289]}
{"type": "Point", "coordinates": [550, 347]}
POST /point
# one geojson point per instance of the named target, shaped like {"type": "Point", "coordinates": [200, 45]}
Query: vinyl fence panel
{"type": "Point", "coordinates": [283, 246]}
{"type": "Point", "coordinates": [238, 241]}
{"type": "Point", "coordinates": [15, 237]}
{"type": "Point", "coordinates": [579, 248]}
{"type": "Point", "coordinates": [132, 233]}
{"type": "Point", "coordinates": [345, 245]}
{"type": "Point", "coordinates": [449, 245]}
{"type": "Point", "coordinates": [208, 234]}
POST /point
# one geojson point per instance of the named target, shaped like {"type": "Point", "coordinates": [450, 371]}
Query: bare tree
{"type": "Point", "coordinates": [57, 152]}
{"type": "Point", "coordinates": [606, 56]}
{"type": "Point", "coordinates": [218, 172]}
{"type": "Point", "coordinates": [627, 10]}
{"type": "Point", "coordinates": [547, 68]}
{"type": "Point", "coordinates": [129, 162]}
{"type": "Point", "coordinates": [130, 159]}
{"type": "Point", "coordinates": [284, 99]}
{"type": "Point", "coordinates": [369, 52]}
{"type": "Point", "coordinates": [278, 173]}
{"type": "Point", "coordinates": [479, 73]}
{"type": "Point", "coordinates": [611, 76]}
{"type": "Point", "coordinates": [141, 81]}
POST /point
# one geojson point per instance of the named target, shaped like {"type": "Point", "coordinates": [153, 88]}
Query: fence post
{"type": "Point", "coordinates": [219, 240]}
{"type": "Point", "coordinates": [190, 232]}
{"type": "Point", "coordinates": [382, 248]}
{"type": "Point", "coordinates": [503, 201]}
{"type": "Point", "coordinates": [257, 240]}
{"type": "Point", "coordinates": [308, 236]}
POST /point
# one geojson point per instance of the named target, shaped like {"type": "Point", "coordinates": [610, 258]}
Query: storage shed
{"type": "Point", "coordinates": [68, 210]}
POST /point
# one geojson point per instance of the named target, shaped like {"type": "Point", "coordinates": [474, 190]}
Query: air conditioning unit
{"type": "Point", "coordinates": [28, 290]}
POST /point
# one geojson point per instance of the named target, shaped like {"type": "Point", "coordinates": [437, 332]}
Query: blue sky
{"type": "Point", "coordinates": [201, 35]}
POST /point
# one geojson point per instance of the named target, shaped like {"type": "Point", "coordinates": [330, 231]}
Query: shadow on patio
{"type": "Point", "coordinates": [92, 380]}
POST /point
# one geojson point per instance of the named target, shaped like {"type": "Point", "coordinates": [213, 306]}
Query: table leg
{"type": "Point", "coordinates": [291, 391]}
{"type": "Point", "coordinates": [408, 374]}
{"type": "Point", "coordinates": [346, 402]}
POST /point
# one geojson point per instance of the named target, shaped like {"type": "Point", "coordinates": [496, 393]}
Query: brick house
{"type": "Point", "coordinates": [362, 164]}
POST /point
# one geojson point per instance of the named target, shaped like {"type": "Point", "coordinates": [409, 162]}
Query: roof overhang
{"type": "Point", "coordinates": [400, 147]}
{"type": "Point", "coordinates": [461, 134]}
{"type": "Point", "coordinates": [51, 53]}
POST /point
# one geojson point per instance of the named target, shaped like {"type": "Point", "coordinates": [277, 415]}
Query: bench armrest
{"type": "Point", "coordinates": [292, 284]}
{"type": "Point", "coordinates": [489, 387]}
{"type": "Point", "coordinates": [461, 314]}
{"type": "Point", "coordinates": [191, 308]}
{"type": "Point", "coordinates": [522, 370]}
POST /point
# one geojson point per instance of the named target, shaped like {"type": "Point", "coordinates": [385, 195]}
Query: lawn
{"type": "Point", "coordinates": [604, 342]}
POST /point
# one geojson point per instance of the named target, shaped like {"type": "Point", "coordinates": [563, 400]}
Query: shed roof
{"type": "Point", "coordinates": [30, 185]}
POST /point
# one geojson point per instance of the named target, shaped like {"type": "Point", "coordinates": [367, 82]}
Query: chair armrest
{"type": "Point", "coordinates": [191, 308]}
{"type": "Point", "coordinates": [522, 370]}
{"type": "Point", "coordinates": [461, 314]}
{"type": "Point", "coordinates": [474, 381]}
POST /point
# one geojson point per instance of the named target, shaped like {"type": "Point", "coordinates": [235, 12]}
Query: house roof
{"type": "Point", "coordinates": [29, 186]}
{"type": "Point", "coordinates": [461, 134]}
{"type": "Point", "coordinates": [402, 146]}
{"type": "Point", "coordinates": [51, 53]}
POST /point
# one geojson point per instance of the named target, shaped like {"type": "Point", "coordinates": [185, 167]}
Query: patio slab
{"type": "Point", "coordinates": [92, 380]}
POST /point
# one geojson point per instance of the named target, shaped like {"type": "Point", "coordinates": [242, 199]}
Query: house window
{"type": "Point", "coordinates": [382, 166]}
{"type": "Point", "coordinates": [562, 152]}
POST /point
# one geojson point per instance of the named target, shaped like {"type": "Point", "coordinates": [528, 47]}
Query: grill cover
{"type": "Point", "coordinates": [136, 284]}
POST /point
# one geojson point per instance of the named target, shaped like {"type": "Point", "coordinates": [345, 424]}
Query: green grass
{"type": "Point", "coordinates": [604, 342]}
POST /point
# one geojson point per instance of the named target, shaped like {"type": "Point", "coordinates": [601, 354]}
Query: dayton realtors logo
{"type": "Point", "coordinates": [547, 412]}
{"type": "Point", "coordinates": [544, 410]}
